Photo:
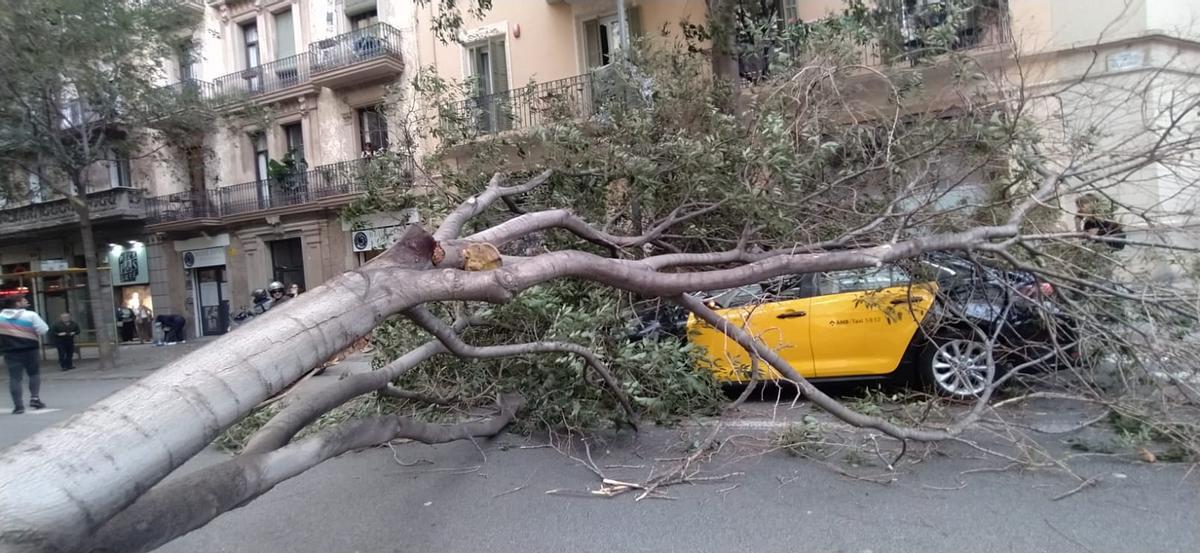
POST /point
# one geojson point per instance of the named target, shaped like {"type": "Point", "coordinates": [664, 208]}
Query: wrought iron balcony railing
{"type": "Point", "coordinates": [294, 189]}
{"type": "Point", "coordinates": [370, 42]}
{"type": "Point", "coordinates": [344, 50]}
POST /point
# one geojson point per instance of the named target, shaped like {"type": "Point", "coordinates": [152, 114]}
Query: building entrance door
{"type": "Point", "coordinates": [213, 300]}
{"type": "Point", "coordinates": [287, 260]}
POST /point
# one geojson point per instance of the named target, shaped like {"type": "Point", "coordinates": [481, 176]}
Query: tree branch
{"type": "Point", "coordinates": [450, 339]}
{"type": "Point", "coordinates": [177, 507]}
{"type": "Point", "coordinates": [452, 226]}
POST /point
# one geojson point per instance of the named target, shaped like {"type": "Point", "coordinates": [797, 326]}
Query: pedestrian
{"type": "Point", "coordinates": [172, 328]}
{"type": "Point", "coordinates": [19, 332]}
{"type": "Point", "coordinates": [293, 290]}
{"type": "Point", "coordinates": [145, 323]}
{"type": "Point", "coordinates": [64, 331]}
{"type": "Point", "coordinates": [126, 322]}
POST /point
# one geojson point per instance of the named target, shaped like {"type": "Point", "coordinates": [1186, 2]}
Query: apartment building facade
{"type": "Point", "coordinates": [300, 88]}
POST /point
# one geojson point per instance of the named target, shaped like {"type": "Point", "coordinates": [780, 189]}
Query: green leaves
{"type": "Point", "coordinates": [660, 376]}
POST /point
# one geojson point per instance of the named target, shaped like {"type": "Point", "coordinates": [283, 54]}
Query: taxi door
{"type": "Point", "coordinates": [862, 321]}
{"type": "Point", "coordinates": [781, 325]}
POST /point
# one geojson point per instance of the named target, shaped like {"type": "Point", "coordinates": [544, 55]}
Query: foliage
{"type": "Point", "coordinates": [632, 145]}
{"type": "Point", "coordinates": [72, 70]}
{"type": "Point", "coordinates": [658, 375]}
{"type": "Point", "coordinates": [801, 439]}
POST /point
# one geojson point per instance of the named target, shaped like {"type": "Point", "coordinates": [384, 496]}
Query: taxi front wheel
{"type": "Point", "coordinates": [956, 367]}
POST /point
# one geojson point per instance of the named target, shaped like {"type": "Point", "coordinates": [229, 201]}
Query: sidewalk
{"type": "Point", "coordinates": [133, 361]}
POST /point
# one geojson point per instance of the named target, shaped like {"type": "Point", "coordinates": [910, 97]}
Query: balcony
{"type": "Point", "coordinates": [530, 106]}
{"type": "Point", "coordinates": [192, 206]}
{"type": "Point", "coordinates": [319, 188]}
{"type": "Point", "coordinates": [197, 5]}
{"type": "Point", "coordinates": [360, 56]}
{"type": "Point", "coordinates": [111, 205]}
{"type": "Point", "coordinates": [269, 82]}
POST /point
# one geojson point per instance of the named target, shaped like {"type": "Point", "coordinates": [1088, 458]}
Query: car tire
{"type": "Point", "coordinates": [955, 367]}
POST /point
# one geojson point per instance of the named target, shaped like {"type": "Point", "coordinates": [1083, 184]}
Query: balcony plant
{"type": "Point", "coordinates": [286, 172]}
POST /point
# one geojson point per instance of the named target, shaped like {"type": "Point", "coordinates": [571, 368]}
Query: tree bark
{"type": "Point", "coordinates": [59, 485]}
{"type": "Point", "coordinates": [180, 506]}
{"type": "Point", "coordinates": [101, 313]}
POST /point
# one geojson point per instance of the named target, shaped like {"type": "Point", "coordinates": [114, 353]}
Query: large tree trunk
{"type": "Point", "coordinates": [100, 310]}
{"type": "Point", "coordinates": [58, 486]}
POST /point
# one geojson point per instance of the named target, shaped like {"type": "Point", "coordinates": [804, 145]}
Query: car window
{"type": "Point", "coordinates": [788, 287]}
{"type": "Point", "coordinates": [859, 280]}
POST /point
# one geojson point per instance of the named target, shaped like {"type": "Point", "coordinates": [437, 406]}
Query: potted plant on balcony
{"type": "Point", "coordinates": [286, 174]}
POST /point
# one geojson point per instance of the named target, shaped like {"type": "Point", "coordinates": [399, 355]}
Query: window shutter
{"type": "Point", "coordinates": [285, 35]}
{"type": "Point", "coordinates": [633, 17]}
{"type": "Point", "coordinates": [591, 36]}
{"type": "Point", "coordinates": [499, 65]}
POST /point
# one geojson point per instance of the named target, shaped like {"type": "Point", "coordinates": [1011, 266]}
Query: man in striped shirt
{"type": "Point", "coordinates": [19, 332]}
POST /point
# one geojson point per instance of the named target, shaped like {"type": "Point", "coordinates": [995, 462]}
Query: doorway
{"type": "Point", "coordinates": [287, 260]}
{"type": "Point", "coordinates": [213, 300]}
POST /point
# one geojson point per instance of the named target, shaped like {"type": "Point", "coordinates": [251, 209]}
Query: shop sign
{"type": "Point", "coordinates": [53, 265]}
{"type": "Point", "coordinates": [128, 266]}
{"type": "Point", "coordinates": [206, 257]}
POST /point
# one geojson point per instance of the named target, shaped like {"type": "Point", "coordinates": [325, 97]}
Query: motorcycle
{"type": "Point", "coordinates": [262, 303]}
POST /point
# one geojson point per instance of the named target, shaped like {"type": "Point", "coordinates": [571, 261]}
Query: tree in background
{"type": "Point", "coordinates": [80, 85]}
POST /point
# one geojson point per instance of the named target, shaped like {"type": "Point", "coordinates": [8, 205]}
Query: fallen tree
{"type": "Point", "coordinates": [678, 198]}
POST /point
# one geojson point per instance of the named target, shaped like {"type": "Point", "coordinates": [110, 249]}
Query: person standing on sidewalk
{"type": "Point", "coordinates": [64, 331]}
{"type": "Point", "coordinates": [145, 323]}
{"type": "Point", "coordinates": [19, 332]}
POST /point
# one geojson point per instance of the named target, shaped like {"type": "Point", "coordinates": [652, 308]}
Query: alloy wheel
{"type": "Point", "coordinates": [960, 367]}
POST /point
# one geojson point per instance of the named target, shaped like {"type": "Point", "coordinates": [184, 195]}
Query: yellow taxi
{"type": "Point", "coordinates": [870, 323]}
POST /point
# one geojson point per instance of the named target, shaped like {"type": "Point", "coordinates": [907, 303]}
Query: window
{"type": "Point", "coordinates": [262, 158]}
{"type": "Point", "coordinates": [36, 193]}
{"type": "Point", "coordinates": [603, 40]}
{"type": "Point", "coordinates": [860, 280]}
{"type": "Point", "coordinates": [118, 171]}
{"type": "Point", "coordinates": [252, 56]}
{"type": "Point", "coordinates": [789, 11]}
{"type": "Point", "coordinates": [250, 42]}
{"type": "Point", "coordinates": [364, 20]}
{"type": "Point", "coordinates": [372, 127]}
{"type": "Point", "coordinates": [487, 64]}
{"type": "Point", "coordinates": [187, 61]}
{"type": "Point", "coordinates": [285, 35]}
{"type": "Point", "coordinates": [294, 133]}
{"type": "Point", "coordinates": [602, 37]}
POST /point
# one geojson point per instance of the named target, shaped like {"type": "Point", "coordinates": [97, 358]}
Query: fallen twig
{"type": "Point", "coordinates": [1085, 484]}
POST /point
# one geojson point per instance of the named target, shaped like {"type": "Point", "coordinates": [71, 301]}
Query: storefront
{"type": "Point", "coordinates": [132, 300]}
{"type": "Point", "coordinates": [52, 293]}
{"type": "Point", "coordinates": [209, 286]}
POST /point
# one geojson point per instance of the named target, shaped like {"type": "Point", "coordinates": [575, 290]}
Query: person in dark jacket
{"type": "Point", "coordinates": [19, 332]}
{"type": "Point", "coordinates": [64, 331]}
{"type": "Point", "coordinates": [126, 323]}
{"type": "Point", "coordinates": [172, 326]}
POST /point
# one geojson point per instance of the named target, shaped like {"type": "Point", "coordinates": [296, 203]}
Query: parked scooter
{"type": "Point", "coordinates": [262, 303]}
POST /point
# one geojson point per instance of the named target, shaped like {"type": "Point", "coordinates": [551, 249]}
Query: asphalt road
{"type": "Point", "coordinates": [457, 497]}
{"type": "Point", "coordinates": [368, 502]}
